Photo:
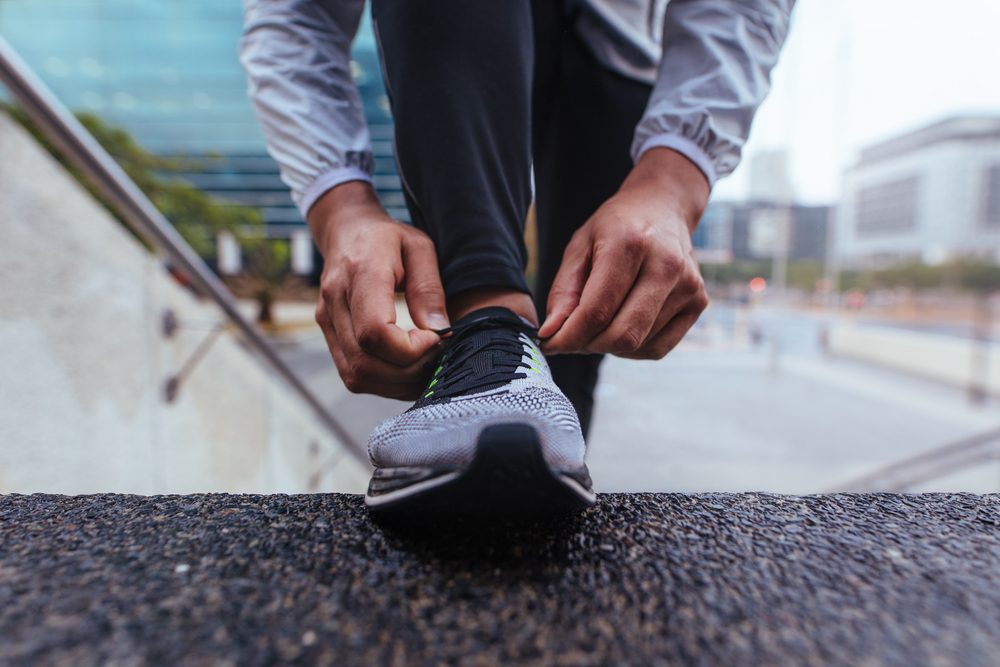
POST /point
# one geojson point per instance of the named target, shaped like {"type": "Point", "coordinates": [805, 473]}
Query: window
{"type": "Point", "coordinates": [888, 207]}
{"type": "Point", "coordinates": [991, 196]}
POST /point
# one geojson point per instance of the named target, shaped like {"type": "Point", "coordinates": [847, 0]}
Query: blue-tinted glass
{"type": "Point", "coordinates": [167, 71]}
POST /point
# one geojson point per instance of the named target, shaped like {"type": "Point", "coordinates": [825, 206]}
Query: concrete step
{"type": "Point", "coordinates": [739, 579]}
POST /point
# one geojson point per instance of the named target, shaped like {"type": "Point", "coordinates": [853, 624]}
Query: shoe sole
{"type": "Point", "coordinates": [507, 475]}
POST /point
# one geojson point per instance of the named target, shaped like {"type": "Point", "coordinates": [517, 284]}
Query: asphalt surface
{"type": "Point", "coordinates": [641, 579]}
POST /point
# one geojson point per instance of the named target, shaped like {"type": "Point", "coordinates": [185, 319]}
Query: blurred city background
{"type": "Point", "coordinates": [853, 260]}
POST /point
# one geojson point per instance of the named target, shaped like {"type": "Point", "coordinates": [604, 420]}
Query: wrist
{"type": "Point", "coordinates": [672, 180]}
{"type": "Point", "coordinates": [342, 205]}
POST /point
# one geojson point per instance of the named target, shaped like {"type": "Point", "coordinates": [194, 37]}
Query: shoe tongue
{"type": "Point", "coordinates": [493, 313]}
{"type": "Point", "coordinates": [479, 345]}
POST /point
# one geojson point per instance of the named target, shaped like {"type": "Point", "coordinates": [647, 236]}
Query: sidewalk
{"type": "Point", "coordinates": [719, 414]}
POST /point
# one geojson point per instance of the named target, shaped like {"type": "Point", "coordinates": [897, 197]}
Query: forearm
{"type": "Point", "coordinates": [296, 54]}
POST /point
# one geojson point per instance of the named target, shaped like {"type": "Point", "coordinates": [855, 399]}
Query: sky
{"type": "Point", "coordinates": [854, 72]}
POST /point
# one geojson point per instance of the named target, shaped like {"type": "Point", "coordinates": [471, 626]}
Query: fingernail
{"type": "Point", "coordinates": [437, 321]}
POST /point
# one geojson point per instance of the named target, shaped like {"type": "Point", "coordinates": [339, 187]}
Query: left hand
{"type": "Point", "coordinates": [628, 284]}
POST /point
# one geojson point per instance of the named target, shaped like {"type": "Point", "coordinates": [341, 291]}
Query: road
{"type": "Point", "coordinates": [722, 414]}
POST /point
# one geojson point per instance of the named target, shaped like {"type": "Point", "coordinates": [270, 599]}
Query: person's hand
{"type": "Point", "coordinates": [368, 256]}
{"type": "Point", "coordinates": [628, 283]}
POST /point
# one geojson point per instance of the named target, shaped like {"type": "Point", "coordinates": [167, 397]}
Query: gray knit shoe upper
{"type": "Point", "coordinates": [491, 372]}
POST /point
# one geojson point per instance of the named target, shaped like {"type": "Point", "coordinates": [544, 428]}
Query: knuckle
{"type": "Point", "coordinates": [352, 265]}
{"type": "Point", "coordinates": [417, 239]}
{"type": "Point", "coordinates": [560, 293]}
{"type": "Point", "coordinates": [601, 247]}
{"type": "Point", "coordinates": [597, 317]}
{"type": "Point", "coordinates": [353, 377]}
{"type": "Point", "coordinates": [425, 242]}
{"type": "Point", "coordinates": [689, 284]}
{"type": "Point", "coordinates": [579, 237]}
{"type": "Point", "coordinates": [672, 263]}
{"type": "Point", "coordinates": [700, 301]}
{"type": "Point", "coordinates": [693, 282]}
{"type": "Point", "coordinates": [369, 337]}
{"type": "Point", "coordinates": [636, 242]}
{"type": "Point", "coordinates": [424, 287]}
{"type": "Point", "coordinates": [350, 381]}
{"type": "Point", "coordinates": [330, 287]}
{"type": "Point", "coordinates": [658, 351]}
{"type": "Point", "coordinates": [627, 341]}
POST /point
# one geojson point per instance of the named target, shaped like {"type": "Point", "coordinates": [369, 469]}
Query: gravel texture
{"type": "Point", "coordinates": [641, 579]}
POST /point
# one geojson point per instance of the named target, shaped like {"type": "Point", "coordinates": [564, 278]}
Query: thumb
{"type": "Point", "coordinates": [564, 295]}
{"type": "Point", "coordinates": [424, 293]}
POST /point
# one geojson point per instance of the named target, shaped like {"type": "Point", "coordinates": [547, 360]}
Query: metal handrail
{"type": "Point", "coordinates": [131, 204]}
{"type": "Point", "coordinates": [923, 467]}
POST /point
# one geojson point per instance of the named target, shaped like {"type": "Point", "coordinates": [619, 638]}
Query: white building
{"type": "Point", "coordinates": [769, 179]}
{"type": "Point", "coordinates": [930, 194]}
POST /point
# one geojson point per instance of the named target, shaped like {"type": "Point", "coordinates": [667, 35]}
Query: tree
{"type": "Point", "coordinates": [198, 217]}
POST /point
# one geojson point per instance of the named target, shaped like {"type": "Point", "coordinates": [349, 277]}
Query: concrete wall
{"type": "Point", "coordinates": [83, 363]}
{"type": "Point", "coordinates": [948, 359]}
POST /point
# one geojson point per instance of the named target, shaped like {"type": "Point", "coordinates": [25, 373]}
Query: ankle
{"type": "Point", "coordinates": [461, 305]}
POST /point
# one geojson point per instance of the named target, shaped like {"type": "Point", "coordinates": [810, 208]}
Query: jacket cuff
{"type": "Point", "coordinates": [328, 180]}
{"type": "Point", "coordinates": [685, 147]}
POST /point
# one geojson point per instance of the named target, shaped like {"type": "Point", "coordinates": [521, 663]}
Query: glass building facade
{"type": "Point", "coordinates": [167, 71]}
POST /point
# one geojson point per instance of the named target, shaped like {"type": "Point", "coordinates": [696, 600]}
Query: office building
{"type": "Point", "coordinates": [932, 194]}
{"type": "Point", "coordinates": [167, 72]}
{"type": "Point", "coordinates": [754, 230]}
{"type": "Point", "coordinates": [769, 178]}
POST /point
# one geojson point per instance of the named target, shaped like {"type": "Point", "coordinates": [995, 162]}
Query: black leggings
{"type": "Point", "coordinates": [480, 90]}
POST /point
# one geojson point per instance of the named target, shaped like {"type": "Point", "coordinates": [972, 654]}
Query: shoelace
{"type": "Point", "coordinates": [489, 344]}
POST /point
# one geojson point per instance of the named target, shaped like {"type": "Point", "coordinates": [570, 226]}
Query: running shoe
{"type": "Point", "coordinates": [491, 432]}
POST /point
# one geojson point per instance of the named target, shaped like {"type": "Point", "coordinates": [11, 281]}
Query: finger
{"type": "Point", "coordinates": [668, 338]}
{"type": "Point", "coordinates": [634, 322]}
{"type": "Point", "coordinates": [367, 386]}
{"type": "Point", "coordinates": [365, 373]}
{"type": "Point", "coordinates": [373, 320]}
{"type": "Point", "coordinates": [424, 293]}
{"type": "Point", "coordinates": [610, 280]}
{"type": "Point", "coordinates": [567, 286]}
{"type": "Point", "coordinates": [688, 293]}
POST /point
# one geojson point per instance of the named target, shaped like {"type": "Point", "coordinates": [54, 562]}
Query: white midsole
{"type": "Point", "coordinates": [382, 499]}
{"type": "Point", "coordinates": [419, 487]}
{"type": "Point", "coordinates": [580, 490]}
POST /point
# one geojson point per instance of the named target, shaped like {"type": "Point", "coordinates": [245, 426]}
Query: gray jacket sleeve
{"type": "Point", "coordinates": [291, 50]}
{"type": "Point", "coordinates": [714, 74]}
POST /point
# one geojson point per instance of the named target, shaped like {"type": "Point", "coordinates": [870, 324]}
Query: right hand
{"type": "Point", "coordinates": [368, 256]}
